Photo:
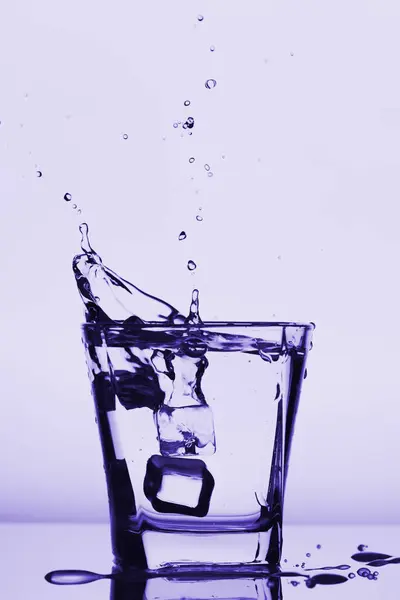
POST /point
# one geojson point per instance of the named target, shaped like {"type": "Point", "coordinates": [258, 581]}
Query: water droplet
{"type": "Point", "coordinates": [318, 546]}
{"type": "Point", "coordinates": [295, 583]}
{"type": "Point", "coordinates": [200, 18]}
{"type": "Point", "coordinates": [74, 206]}
{"type": "Point", "coordinates": [125, 136]}
{"type": "Point", "coordinates": [212, 48]}
{"type": "Point", "coordinates": [351, 575]}
{"type": "Point", "coordinates": [182, 235]}
{"type": "Point", "coordinates": [189, 123]}
{"type": "Point", "coordinates": [175, 125]}
{"type": "Point", "coordinates": [285, 560]}
{"type": "Point", "coordinates": [303, 564]}
{"type": "Point", "coordinates": [370, 576]}
{"type": "Point", "coordinates": [199, 218]}
{"type": "Point", "coordinates": [186, 103]}
{"type": "Point", "coordinates": [67, 197]}
{"type": "Point", "coordinates": [223, 156]}
{"type": "Point", "coordinates": [210, 84]}
{"type": "Point", "coordinates": [279, 257]}
{"type": "Point", "coordinates": [210, 173]}
{"type": "Point", "coordinates": [207, 167]}
{"type": "Point", "coordinates": [305, 377]}
{"type": "Point", "coordinates": [292, 54]}
{"type": "Point", "coordinates": [308, 555]}
{"type": "Point", "coordinates": [297, 565]}
{"type": "Point", "coordinates": [79, 211]}
{"type": "Point", "coordinates": [39, 173]}
{"type": "Point", "coordinates": [191, 265]}
{"type": "Point", "coordinates": [361, 547]}
{"type": "Point", "coordinates": [191, 159]}
{"type": "Point", "coordinates": [364, 572]}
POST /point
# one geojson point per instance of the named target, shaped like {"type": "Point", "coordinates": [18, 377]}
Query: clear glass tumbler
{"type": "Point", "coordinates": [196, 424]}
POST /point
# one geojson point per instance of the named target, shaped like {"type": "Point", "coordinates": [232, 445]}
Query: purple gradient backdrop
{"type": "Point", "coordinates": [300, 221]}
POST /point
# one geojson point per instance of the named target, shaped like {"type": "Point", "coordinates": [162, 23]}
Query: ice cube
{"type": "Point", "coordinates": [186, 430]}
{"type": "Point", "coordinates": [178, 485]}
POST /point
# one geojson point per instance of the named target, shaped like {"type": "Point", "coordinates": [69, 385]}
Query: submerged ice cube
{"type": "Point", "coordinates": [178, 485]}
{"type": "Point", "coordinates": [186, 430]}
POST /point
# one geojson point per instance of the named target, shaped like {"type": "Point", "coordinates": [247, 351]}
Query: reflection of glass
{"type": "Point", "coordinates": [196, 424]}
{"type": "Point", "coordinates": [198, 589]}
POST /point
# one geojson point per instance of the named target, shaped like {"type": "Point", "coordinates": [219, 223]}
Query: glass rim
{"type": "Point", "coordinates": [203, 325]}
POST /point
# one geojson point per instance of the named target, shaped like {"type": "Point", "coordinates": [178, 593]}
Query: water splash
{"type": "Point", "coordinates": [194, 316]}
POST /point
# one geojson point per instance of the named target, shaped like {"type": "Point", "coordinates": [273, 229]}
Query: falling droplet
{"type": "Point", "coordinates": [308, 555]}
{"type": "Point", "coordinates": [191, 159]}
{"type": "Point", "coordinates": [295, 583]}
{"type": "Point", "coordinates": [191, 265]}
{"type": "Point", "coordinates": [210, 84]}
{"type": "Point", "coordinates": [210, 173]}
{"type": "Point", "coordinates": [189, 123]}
{"type": "Point", "coordinates": [351, 575]}
{"type": "Point", "coordinates": [200, 18]}
{"type": "Point", "coordinates": [175, 125]}
{"type": "Point", "coordinates": [125, 136]}
{"type": "Point", "coordinates": [207, 167]}
{"type": "Point", "coordinates": [182, 235]}
{"type": "Point", "coordinates": [364, 572]}
{"type": "Point", "coordinates": [67, 197]}
{"type": "Point", "coordinates": [361, 547]}
{"type": "Point", "coordinates": [199, 218]}
{"type": "Point", "coordinates": [318, 546]}
{"type": "Point", "coordinates": [292, 54]}
{"type": "Point", "coordinates": [74, 206]}
{"type": "Point", "coordinates": [39, 173]}
{"type": "Point", "coordinates": [303, 564]}
{"type": "Point", "coordinates": [285, 560]}
{"type": "Point", "coordinates": [212, 48]}
{"type": "Point", "coordinates": [187, 103]}
{"type": "Point", "coordinates": [79, 211]}
{"type": "Point", "coordinates": [223, 156]}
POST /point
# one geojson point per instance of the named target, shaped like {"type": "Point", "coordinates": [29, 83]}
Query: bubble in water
{"type": "Point", "coordinates": [207, 167]}
{"type": "Point", "coordinates": [210, 84]}
{"type": "Point", "coordinates": [186, 103]}
{"type": "Point", "coordinates": [210, 173]}
{"type": "Point", "coordinates": [308, 555]}
{"type": "Point", "coordinates": [67, 197]}
{"type": "Point", "coordinates": [351, 575]}
{"type": "Point", "coordinates": [200, 18]}
{"type": "Point", "coordinates": [182, 235]}
{"type": "Point", "coordinates": [363, 572]}
{"type": "Point", "coordinates": [191, 265]}
{"type": "Point", "coordinates": [191, 159]}
{"type": "Point", "coordinates": [362, 547]}
{"type": "Point", "coordinates": [125, 136]}
{"type": "Point", "coordinates": [39, 173]}
{"type": "Point", "coordinates": [199, 218]}
{"type": "Point", "coordinates": [212, 48]}
{"type": "Point", "coordinates": [175, 125]}
{"type": "Point", "coordinates": [318, 546]}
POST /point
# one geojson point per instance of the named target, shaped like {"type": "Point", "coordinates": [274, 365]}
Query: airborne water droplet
{"type": "Point", "coordinates": [191, 159]}
{"type": "Point", "coordinates": [74, 206]}
{"type": "Point", "coordinates": [207, 167]}
{"type": "Point", "coordinates": [200, 18]}
{"type": "Point", "coordinates": [318, 546]}
{"type": "Point", "coordinates": [182, 235]}
{"type": "Point", "coordinates": [212, 48]}
{"type": "Point", "coordinates": [187, 103]}
{"type": "Point", "coordinates": [79, 211]}
{"type": "Point", "coordinates": [67, 197]}
{"type": "Point", "coordinates": [362, 547]}
{"type": "Point", "coordinates": [308, 555]}
{"type": "Point", "coordinates": [39, 173]}
{"type": "Point", "coordinates": [191, 265]}
{"type": "Point", "coordinates": [210, 84]}
{"type": "Point", "coordinates": [199, 218]}
{"type": "Point", "coordinates": [125, 136]}
{"type": "Point", "coordinates": [175, 125]}
{"type": "Point", "coordinates": [351, 575]}
{"type": "Point", "coordinates": [210, 173]}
